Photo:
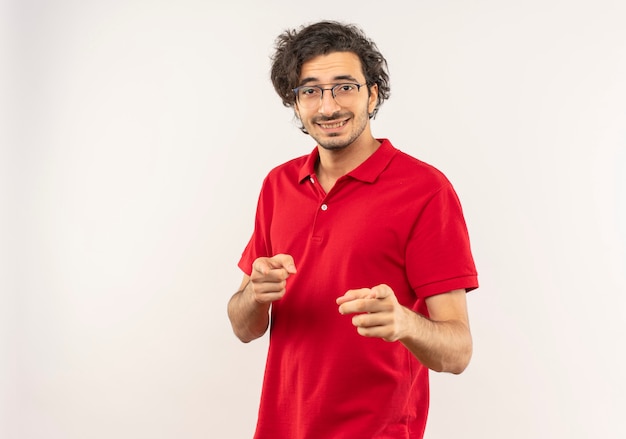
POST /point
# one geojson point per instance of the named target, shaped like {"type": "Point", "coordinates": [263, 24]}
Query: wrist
{"type": "Point", "coordinates": [410, 327]}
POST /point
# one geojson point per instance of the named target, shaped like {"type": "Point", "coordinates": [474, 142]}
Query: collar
{"type": "Point", "coordinates": [368, 171]}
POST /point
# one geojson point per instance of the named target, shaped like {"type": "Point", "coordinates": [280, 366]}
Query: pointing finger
{"type": "Point", "coordinates": [283, 261]}
{"type": "Point", "coordinates": [350, 295]}
{"type": "Point", "coordinates": [266, 265]}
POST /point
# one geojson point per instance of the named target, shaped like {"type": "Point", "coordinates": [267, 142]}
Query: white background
{"type": "Point", "coordinates": [136, 134]}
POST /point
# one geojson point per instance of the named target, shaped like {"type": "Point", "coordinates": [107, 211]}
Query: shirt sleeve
{"type": "Point", "coordinates": [259, 244]}
{"type": "Point", "coordinates": [439, 257]}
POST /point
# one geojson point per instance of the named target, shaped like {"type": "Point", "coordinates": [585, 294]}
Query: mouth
{"type": "Point", "coordinates": [332, 125]}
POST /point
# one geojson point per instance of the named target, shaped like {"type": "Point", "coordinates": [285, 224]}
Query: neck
{"type": "Point", "coordinates": [334, 164]}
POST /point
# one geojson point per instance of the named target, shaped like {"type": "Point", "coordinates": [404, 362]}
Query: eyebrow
{"type": "Point", "coordinates": [336, 78]}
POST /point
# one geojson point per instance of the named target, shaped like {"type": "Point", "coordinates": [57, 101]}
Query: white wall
{"type": "Point", "coordinates": [137, 134]}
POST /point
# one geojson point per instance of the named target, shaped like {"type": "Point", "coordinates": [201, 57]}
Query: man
{"type": "Point", "coordinates": [359, 261]}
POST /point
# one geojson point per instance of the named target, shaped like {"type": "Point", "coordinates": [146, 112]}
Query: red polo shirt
{"type": "Point", "coordinates": [393, 220]}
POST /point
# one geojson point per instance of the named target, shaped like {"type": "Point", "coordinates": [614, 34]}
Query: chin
{"type": "Point", "coordinates": [334, 142]}
{"type": "Point", "coordinates": [333, 146]}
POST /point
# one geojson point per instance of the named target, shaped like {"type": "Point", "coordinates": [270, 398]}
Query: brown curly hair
{"type": "Point", "coordinates": [295, 47]}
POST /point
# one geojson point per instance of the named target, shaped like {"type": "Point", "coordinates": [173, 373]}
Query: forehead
{"type": "Point", "coordinates": [331, 67]}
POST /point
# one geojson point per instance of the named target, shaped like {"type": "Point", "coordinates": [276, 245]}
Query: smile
{"type": "Point", "coordinates": [333, 125]}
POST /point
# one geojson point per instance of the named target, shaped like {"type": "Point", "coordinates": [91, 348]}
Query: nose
{"type": "Point", "coordinates": [328, 105]}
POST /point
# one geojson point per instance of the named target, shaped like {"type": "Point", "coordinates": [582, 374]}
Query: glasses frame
{"type": "Point", "coordinates": [322, 89]}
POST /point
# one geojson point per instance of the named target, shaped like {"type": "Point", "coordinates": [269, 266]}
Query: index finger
{"type": "Point", "coordinates": [350, 295]}
{"type": "Point", "coordinates": [283, 261]}
{"type": "Point", "coordinates": [265, 265]}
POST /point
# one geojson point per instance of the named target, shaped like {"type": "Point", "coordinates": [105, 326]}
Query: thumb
{"type": "Point", "coordinates": [381, 291]}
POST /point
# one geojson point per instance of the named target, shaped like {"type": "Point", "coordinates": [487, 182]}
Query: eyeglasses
{"type": "Point", "coordinates": [310, 96]}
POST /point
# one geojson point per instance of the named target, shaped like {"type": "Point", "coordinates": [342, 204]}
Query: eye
{"type": "Point", "coordinates": [308, 92]}
{"type": "Point", "coordinates": [345, 88]}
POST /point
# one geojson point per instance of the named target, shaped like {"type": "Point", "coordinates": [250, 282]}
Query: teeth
{"type": "Point", "coordinates": [334, 125]}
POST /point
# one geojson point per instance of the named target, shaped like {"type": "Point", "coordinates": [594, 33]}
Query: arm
{"type": "Point", "coordinates": [442, 342]}
{"type": "Point", "coordinates": [248, 309]}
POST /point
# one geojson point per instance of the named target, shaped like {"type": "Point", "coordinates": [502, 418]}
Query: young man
{"type": "Point", "coordinates": [360, 258]}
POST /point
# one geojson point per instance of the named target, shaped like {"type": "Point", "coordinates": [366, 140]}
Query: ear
{"type": "Point", "coordinates": [373, 98]}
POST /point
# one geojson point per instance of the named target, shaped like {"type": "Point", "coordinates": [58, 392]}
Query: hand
{"type": "Point", "coordinates": [379, 314]}
{"type": "Point", "coordinates": [269, 277]}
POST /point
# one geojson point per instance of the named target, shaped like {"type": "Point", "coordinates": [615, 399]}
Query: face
{"type": "Point", "coordinates": [333, 126]}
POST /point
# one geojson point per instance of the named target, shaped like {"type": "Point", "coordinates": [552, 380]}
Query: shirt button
{"type": "Point", "coordinates": [311, 179]}
{"type": "Point", "coordinates": [324, 207]}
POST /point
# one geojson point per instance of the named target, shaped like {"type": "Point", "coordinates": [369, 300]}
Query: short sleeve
{"type": "Point", "coordinates": [259, 244]}
{"type": "Point", "coordinates": [438, 254]}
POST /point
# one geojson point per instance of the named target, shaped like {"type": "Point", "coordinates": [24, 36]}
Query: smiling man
{"type": "Point", "coordinates": [359, 262]}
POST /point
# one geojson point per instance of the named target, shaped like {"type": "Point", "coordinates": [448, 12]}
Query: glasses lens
{"type": "Point", "coordinates": [345, 93]}
{"type": "Point", "coordinates": [310, 96]}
